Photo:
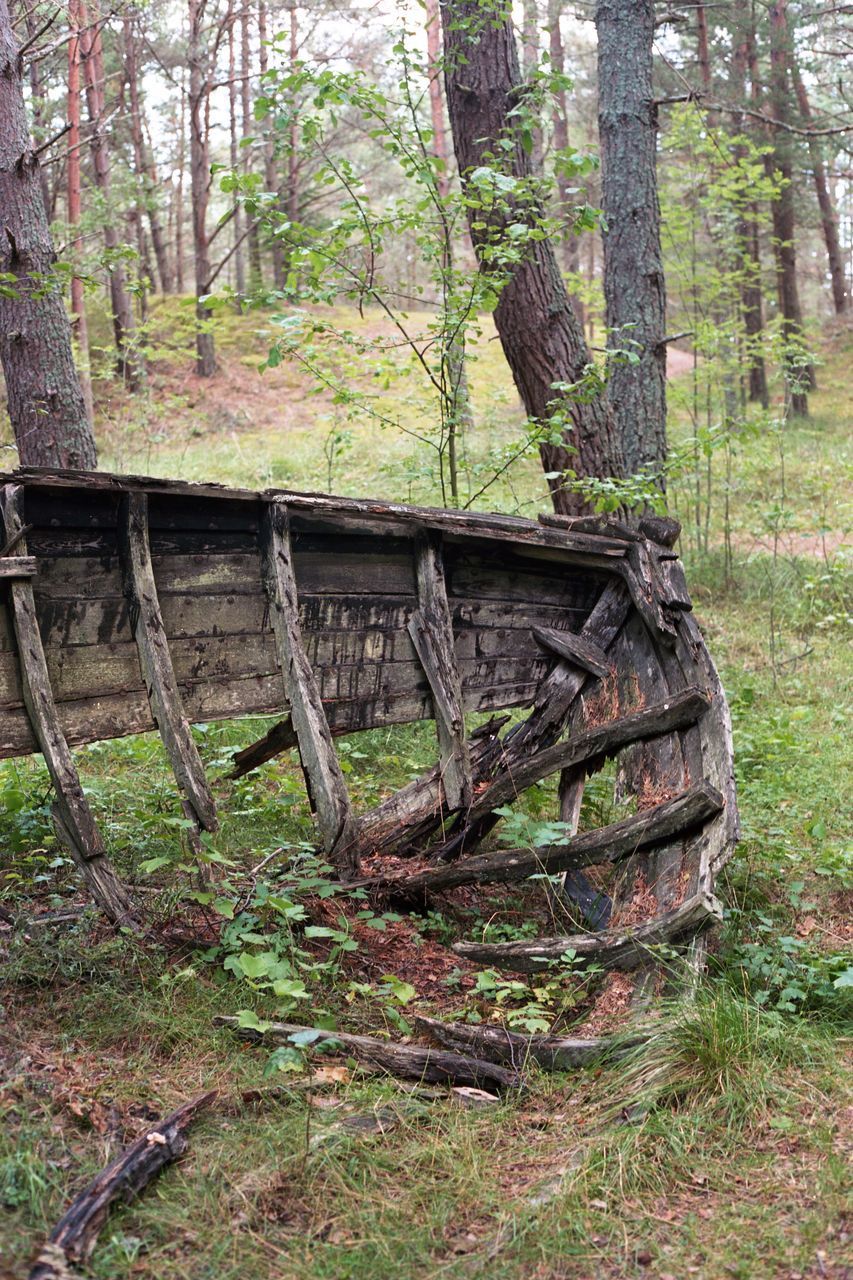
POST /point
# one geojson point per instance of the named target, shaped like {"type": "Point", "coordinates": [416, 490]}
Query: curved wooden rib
{"type": "Point", "coordinates": [155, 662]}
{"type": "Point", "coordinates": [607, 844]}
{"type": "Point", "coordinates": [627, 948]}
{"type": "Point", "coordinates": [324, 778]}
{"type": "Point", "coordinates": [74, 820]}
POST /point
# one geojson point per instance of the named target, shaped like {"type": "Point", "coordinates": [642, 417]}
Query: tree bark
{"type": "Point", "coordinates": [828, 215]}
{"type": "Point", "coordinates": [38, 118]}
{"type": "Point", "coordinates": [128, 359]}
{"type": "Point", "coordinates": [751, 298]}
{"type": "Point", "coordinates": [234, 156]}
{"type": "Point", "coordinates": [146, 174]}
{"type": "Point", "coordinates": [271, 178]}
{"type": "Point", "coordinates": [252, 236]}
{"type": "Point", "coordinates": [205, 362]}
{"type": "Point", "coordinates": [634, 288]}
{"type": "Point", "coordinates": [45, 402]}
{"type": "Point", "coordinates": [560, 127]}
{"type": "Point", "coordinates": [538, 329]}
{"type": "Point", "coordinates": [79, 320]}
{"type": "Point", "coordinates": [799, 378]}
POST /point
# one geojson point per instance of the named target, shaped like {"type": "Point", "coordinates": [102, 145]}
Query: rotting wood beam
{"type": "Point", "coordinates": [410, 1061]}
{"type": "Point", "coordinates": [75, 823]}
{"type": "Point", "coordinates": [431, 630]}
{"type": "Point", "coordinates": [583, 653]}
{"type": "Point", "coordinates": [617, 948]}
{"type": "Point", "coordinates": [551, 1052]}
{"type": "Point", "coordinates": [155, 661]}
{"type": "Point", "coordinates": [607, 844]}
{"type": "Point", "coordinates": [591, 745]}
{"type": "Point", "coordinates": [73, 1238]}
{"type": "Point", "coordinates": [324, 778]}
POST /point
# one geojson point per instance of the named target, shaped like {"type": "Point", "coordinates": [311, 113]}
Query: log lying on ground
{"type": "Point", "coordinates": [677, 712]}
{"type": "Point", "coordinates": [409, 1061]}
{"type": "Point", "coordinates": [626, 948]}
{"type": "Point", "coordinates": [608, 844]}
{"type": "Point", "coordinates": [552, 1053]}
{"type": "Point", "coordinates": [73, 1238]}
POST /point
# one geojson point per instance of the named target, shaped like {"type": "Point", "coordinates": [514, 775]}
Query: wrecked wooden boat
{"type": "Point", "coordinates": [132, 604]}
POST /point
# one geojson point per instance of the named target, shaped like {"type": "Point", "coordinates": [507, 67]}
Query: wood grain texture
{"type": "Point", "coordinates": [155, 663]}
{"type": "Point", "coordinates": [323, 775]}
{"type": "Point", "coordinates": [514, 1049]}
{"type": "Point", "coordinates": [625, 948]}
{"type": "Point", "coordinates": [431, 630]}
{"type": "Point", "coordinates": [76, 824]}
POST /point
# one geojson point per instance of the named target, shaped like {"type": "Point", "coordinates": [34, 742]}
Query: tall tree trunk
{"type": "Point", "coordinates": [253, 237]}
{"type": "Point", "coordinates": [751, 297]}
{"type": "Point", "coordinates": [634, 289]}
{"type": "Point", "coordinates": [799, 376]}
{"type": "Point", "coordinates": [38, 115]}
{"type": "Point", "coordinates": [179, 191]}
{"type": "Point", "coordinates": [293, 201]}
{"type": "Point", "coordinates": [199, 94]}
{"type": "Point", "coordinates": [271, 178]}
{"type": "Point", "coordinates": [538, 328]}
{"type": "Point", "coordinates": [45, 403]}
{"type": "Point", "coordinates": [239, 212]}
{"type": "Point", "coordinates": [560, 126]}
{"type": "Point", "coordinates": [128, 358]}
{"type": "Point", "coordinates": [455, 374]}
{"type": "Point", "coordinates": [828, 215]}
{"type": "Point", "coordinates": [143, 159]}
{"type": "Point", "coordinates": [80, 324]}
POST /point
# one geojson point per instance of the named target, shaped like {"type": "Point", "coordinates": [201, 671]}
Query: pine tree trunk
{"type": "Point", "coordinates": [538, 329]}
{"type": "Point", "coordinates": [30, 15]}
{"type": "Point", "coordinates": [751, 297]}
{"type": "Point", "coordinates": [828, 216]}
{"type": "Point", "coordinates": [800, 378]}
{"type": "Point", "coordinates": [128, 359]}
{"type": "Point", "coordinates": [199, 94]}
{"type": "Point", "coordinates": [560, 126]}
{"type": "Point", "coordinates": [234, 156]}
{"type": "Point", "coordinates": [45, 402]}
{"type": "Point", "coordinates": [80, 324]}
{"type": "Point", "coordinates": [271, 178]}
{"type": "Point", "coordinates": [634, 288]}
{"type": "Point", "coordinates": [293, 201]}
{"type": "Point", "coordinates": [179, 191]}
{"type": "Point", "coordinates": [253, 238]}
{"type": "Point", "coordinates": [143, 159]}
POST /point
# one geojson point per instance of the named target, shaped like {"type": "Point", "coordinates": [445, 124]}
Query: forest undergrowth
{"type": "Point", "coordinates": [721, 1150]}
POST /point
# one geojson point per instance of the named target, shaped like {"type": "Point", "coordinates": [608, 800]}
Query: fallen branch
{"type": "Point", "coordinates": [552, 1053]}
{"type": "Point", "coordinates": [411, 1062]}
{"type": "Point", "coordinates": [73, 1238]}
{"type": "Point", "coordinates": [626, 948]}
{"type": "Point", "coordinates": [607, 844]}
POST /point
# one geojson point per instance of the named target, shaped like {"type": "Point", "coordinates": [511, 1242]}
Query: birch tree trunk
{"type": "Point", "coordinates": [634, 291]}
{"type": "Point", "coordinates": [45, 402]}
{"type": "Point", "coordinates": [538, 329]}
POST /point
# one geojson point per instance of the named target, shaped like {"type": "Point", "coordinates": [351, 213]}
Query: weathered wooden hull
{"type": "Point", "coordinates": [156, 603]}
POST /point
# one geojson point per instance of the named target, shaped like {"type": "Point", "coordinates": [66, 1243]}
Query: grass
{"type": "Point", "coordinates": [717, 1151]}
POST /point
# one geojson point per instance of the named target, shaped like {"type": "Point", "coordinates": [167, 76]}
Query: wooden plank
{"type": "Point", "coordinates": [18, 566]}
{"type": "Point", "coordinates": [431, 630]}
{"type": "Point", "coordinates": [626, 948]}
{"type": "Point", "coordinates": [76, 822]}
{"type": "Point", "coordinates": [583, 653]}
{"type": "Point", "coordinates": [608, 844]}
{"type": "Point", "coordinates": [496, 1043]}
{"type": "Point", "coordinates": [589, 746]}
{"type": "Point", "coordinates": [323, 775]}
{"type": "Point", "coordinates": [411, 1061]}
{"type": "Point", "coordinates": [155, 663]}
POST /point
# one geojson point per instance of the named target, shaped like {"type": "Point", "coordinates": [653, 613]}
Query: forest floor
{"type": "Point", "coordinates": [737, 1162]}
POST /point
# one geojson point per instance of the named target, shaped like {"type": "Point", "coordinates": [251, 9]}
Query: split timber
{"type": "Point", "coordinates": [130, 604]}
